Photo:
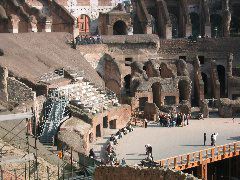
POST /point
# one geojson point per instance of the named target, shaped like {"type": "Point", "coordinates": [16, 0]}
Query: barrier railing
{"type": "Point", "coordinates": [194, 159]}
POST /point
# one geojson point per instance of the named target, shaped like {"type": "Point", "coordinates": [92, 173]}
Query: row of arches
{"type": "Point", "coordinates": [85, 23]}
{"type": "Point", "coordinates": [215, 20]}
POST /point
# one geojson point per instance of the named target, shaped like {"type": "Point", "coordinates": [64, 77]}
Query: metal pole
{"type": "Point", "coordinates": [35, 144]}
{"type": "Point", "coordinates": [29, 171]}
{"type": "Point", "coordinates": [71, 161]}
{"type": "Point", "coordinates": [47, 172]}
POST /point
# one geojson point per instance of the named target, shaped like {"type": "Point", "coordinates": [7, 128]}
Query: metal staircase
{"type": "Point", "coordinates": [53, 120]}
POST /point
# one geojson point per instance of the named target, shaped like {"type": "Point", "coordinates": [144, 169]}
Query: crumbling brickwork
{"type": "Point", "coordinates": [129, 173]}
{"type": "Point", "coordinates": [18, 91]}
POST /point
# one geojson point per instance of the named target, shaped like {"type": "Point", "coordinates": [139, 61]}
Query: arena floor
{"type": "Point", "coordinates": [168, 142]}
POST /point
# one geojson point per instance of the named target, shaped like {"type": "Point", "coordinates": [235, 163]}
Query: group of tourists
{"type": "Point", "coordinates": [213, 139]}
{"type": "Point", "coordinates": [83, 40]}
{"type": "Point", "coordinates": [174, 119]}
{"type": "Point", "coordinates": [111, 155]}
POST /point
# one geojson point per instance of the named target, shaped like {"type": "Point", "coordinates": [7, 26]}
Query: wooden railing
{"type": "Point", "coordinates": [194, 159]}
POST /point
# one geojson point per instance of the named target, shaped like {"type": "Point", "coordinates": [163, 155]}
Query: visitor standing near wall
{"type": "Point", "coordinates": [204, 139]}
{"type": "Point", "coordinates": [145, 123]}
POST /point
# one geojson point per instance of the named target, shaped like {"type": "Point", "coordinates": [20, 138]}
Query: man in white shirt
{"type": "Point", "coordinates": [214, 138]}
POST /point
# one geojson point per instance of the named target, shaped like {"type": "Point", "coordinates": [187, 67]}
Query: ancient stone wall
{"type": "Point", "coordinates": [129, 173]}
{"type": "Point", "coordinates": [18, 91]}
{"type": "Point", "coordinates": [121, 114]}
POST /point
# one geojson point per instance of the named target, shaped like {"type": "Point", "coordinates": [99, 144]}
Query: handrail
{"type": "Point", "coordinates": [193, 159]}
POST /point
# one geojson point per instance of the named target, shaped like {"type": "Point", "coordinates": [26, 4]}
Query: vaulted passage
{"type": "Point", "coordinates": [221, 76]}
{"type": "Point", "coordinates": [195, 20]}
{"type": "Point", "coordinates": [216, 25]}
{"type": "Point", "coordinates": [119, 28]}
{"type": "Point", "coordinates": [205, 81]}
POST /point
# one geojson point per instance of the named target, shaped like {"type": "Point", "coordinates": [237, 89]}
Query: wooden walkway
{"type": "Point", "coordinates": [198, 158]}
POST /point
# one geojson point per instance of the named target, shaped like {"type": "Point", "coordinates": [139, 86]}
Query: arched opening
{"type": "Point", "coordinates": [98, 131]}
{"type": "Point", "coordinates": [127, 80]}
{"type": "Point", "coordinates": [221, 77]}
{"type": "Point", "coordinates": [84, 23]}
{"type": "Point", "coordinates": [154, 25]}
{"type": "Point", "coordinates": [195, 20]}
{"type": "Point", "coordinates": [216, 25]}
{"type": "Point", "coordinates": [205, 81]}
{"type": "Point", "coordinates": [235, 26]}
{"type": "Point", "coordinates": [156, 94]}
{"type": "Point", "coordinates": [119, 28]}
{"type": "Point", "coordinates": [174, 21]}
{"type": "Point", "coordinates": [184, 90]}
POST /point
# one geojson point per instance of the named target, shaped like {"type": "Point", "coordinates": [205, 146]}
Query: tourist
{"type": "Point", "coordinates": [214, 138]}
{"type": "Point", "coordinates": [211, 139]}
{"type": "Point", "coordinates": [129, 128]}
{"type": "Point", "coordinates": [113, 139]}
{"type": "Point", "coordinates": [149, 151]}
{"type": "Point", "coordinates": [204, 139]}
{"type": "Point", "coordinates": [91, 154]}
{"type": "Point", "coordinates": [119, 134]}
{"type": "Point", "coordinates": [123, 162]}
{"type": "Point", "coordinates": [145, 123]}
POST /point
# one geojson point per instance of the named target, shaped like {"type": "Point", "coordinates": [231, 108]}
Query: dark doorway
{"type": "Point", "coordinates": [142, 102]}
{"type": "Point", "coordinates": [105, 122]}
{"type": "Point", "coordinates": [183, 58]}
{"type": "Point", "coordinates": [195, 21]}
{"type": "Point", "coordinates": [235, 26]}
{"type": "Point", "coordinates": [90, 137]}
{"type": "Point", "coordinates": [216, 25]}
{"type": "Point", "coordinates": [201, 59]}
{"type": "Point", "coordinates": [235, 96]}
{"type": "Point", "coordinates": [98, 130]}
{"type": "Point", "coordinates": [205, 81]}
{"type": "Point", "coordinates": [127, 80]}
{"type": "Point", "coordinates": [128, 61]}
{"type": "Point", "coordinates": [170, 100]}
{"type": "Point", "coordinates": [113, 124]}
{"type": "Point", "coordinates": [184, 91]}
{"type": "Point", "coordinates": [221, 77]}
{"type": "Point", "coordinates": [156, 94]}
{"type": "Point", "coordinates": [174, 21]}
{"type": "Point", "coordinates": [119, 28]}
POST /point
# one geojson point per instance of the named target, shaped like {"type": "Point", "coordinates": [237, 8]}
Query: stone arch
{"type": "Point", "coordinates": [174, 22]}
{"type": "Point", "coordinates": [216, 25]}
{"type": "Point", "coordinates": [83, 23]}
{"type": "Point", "coordinates": [184, 90]}
{"type": "Point", "coordinates": [221, 76]}
{"type": "Point", "coordinates": [120, 28]}
{"type": "Point", "coordinates": [205, 81]}
{"type": "Point", "coordinates": [235, 26]}
{"type": "Point", "coordinates": [195, 21]}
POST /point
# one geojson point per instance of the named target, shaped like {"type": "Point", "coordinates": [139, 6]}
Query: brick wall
{"type": "Point", "coordinates": [129, 173]}
{"type": "Point", "coordinates": [122, 115]}
{"type": "Point", "coordinates": [83, 2]}
{"type": "Point", "coordinates": [18, 91]}
{"type": "Point", "coordinates": [104, 2]}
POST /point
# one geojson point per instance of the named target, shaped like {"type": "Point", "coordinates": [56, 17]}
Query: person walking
{"type": "Point", "coordinates": [214, 138]}
{"type": "Point", "coordinates": [145, 123]}
{"type": "Point", "coordinates": [211, 139]}
{"type": "Point", "coordinates": [204, 139]}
